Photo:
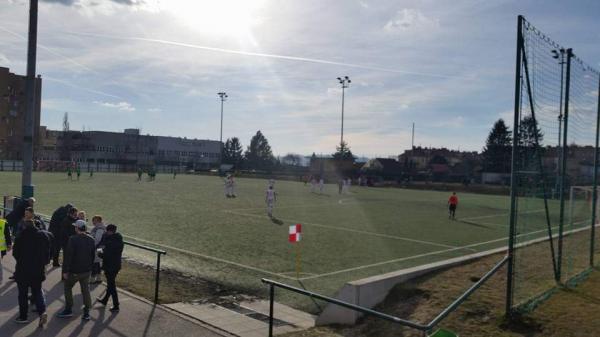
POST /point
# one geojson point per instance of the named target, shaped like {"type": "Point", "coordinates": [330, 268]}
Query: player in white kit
{"type": "Point", "coordinates": [270, 197]}
{"type": "Point", "coordinates": [321, 185]}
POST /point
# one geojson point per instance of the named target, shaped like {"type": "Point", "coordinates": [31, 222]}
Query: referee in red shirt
{"type": "Point", "coordinates": [452, 203]}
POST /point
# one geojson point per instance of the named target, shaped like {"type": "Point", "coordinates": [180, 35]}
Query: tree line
{"type": "Point", "coordinates": [259, 155]}
{"type": "Point", "coordinates": [497, 153]}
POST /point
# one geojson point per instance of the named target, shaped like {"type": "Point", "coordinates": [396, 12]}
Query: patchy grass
{"type": "Point", "coordinates": [570, 312]}
{"type": "Point", "coordinates": [174, 287]}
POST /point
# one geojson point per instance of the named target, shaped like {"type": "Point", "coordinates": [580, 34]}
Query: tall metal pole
{"type": "Point", "coordinates": [345, 82]}
{"type": "Point", "coordinates": [561, 224]}
{"type": "Point", "coordinates": [221, 133]}
{"type": "Point", "coordinates": [412, 142]}
{"type": "Point", "coordinates": [560, 118]}
{"type": "Point", "coordinates": [223, 96]}
{"type": "Point", "coordinates": [513, 176]}
{"type": "Point", "coordinates": [27, 187]}
{"type": "Point", "coordinates": [595, 183]}
{"type": "Point", "coordinates": [342, 133]}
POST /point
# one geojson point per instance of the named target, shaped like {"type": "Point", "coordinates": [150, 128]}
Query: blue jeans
{"type": "Point", "coordinates": [37, 295]}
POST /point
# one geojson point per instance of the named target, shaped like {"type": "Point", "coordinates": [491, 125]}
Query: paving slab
{"type": "Point", "coordinates": [138, 317]}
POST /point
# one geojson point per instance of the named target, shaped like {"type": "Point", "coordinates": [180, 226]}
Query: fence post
{"type": "Point", "coordinates": [595, 184]}
{"type": "Point", "coordinates": [561, 224]}
{"type": "Point", "coordinates": [157, 278]}
{"type": "Point", "coordinates": [513, 175]}
{"type": "Point", "coordinates": [271, 304]}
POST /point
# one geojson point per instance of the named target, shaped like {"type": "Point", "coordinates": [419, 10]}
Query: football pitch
{"type": "Point", "coordinates": [369, 231]}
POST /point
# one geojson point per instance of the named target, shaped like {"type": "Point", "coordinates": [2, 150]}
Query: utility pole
{"type": "Point", "coordinates": [345, 82]}
{"type": "Point", "coordinates": [27, 187]}
{"type": "Point", "coordinates": [223, 96]}
{"type": "Point", "coordinates": [412, 143]}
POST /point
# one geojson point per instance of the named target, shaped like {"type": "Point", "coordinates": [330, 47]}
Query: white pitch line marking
{"type": "Point", "coordinates": [428, 254]}
{"type": "Point", "coordinates": [329, 204]}
{"type": "Point", "coordinates": [350, 230]}
{"type": "Point", "coordinates": [208, 257]}
{"type": "Point", "coordinates": [502, 214]}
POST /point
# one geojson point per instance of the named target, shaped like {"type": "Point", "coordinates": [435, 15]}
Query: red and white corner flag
{"type": "Point", "coordinates": [295, 233]}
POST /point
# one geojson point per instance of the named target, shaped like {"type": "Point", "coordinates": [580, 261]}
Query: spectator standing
{"type": "Point", "coordinates": [67, 229]}
{"type": "Point", "coordinates": [32, 252]}
{"type": "Point", "coordinates": [111, 254]}
{"type": "Point", "coordinates": [5, 243]}
{"type": "Point", "coordinates": [97, 233]}
{"type": "Point", "coordinates": [17, 213]}
{"type": "Point", "coordinates": [77, 267]}
{"type": "Point", "coordinates": [57, 218]}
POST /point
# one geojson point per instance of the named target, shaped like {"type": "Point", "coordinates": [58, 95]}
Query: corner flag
{"type": "Point", "coordinates": [295, 233]}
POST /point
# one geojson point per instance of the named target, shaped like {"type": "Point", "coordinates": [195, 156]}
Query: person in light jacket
{"type": "Point", "coordinates": [97, 233]}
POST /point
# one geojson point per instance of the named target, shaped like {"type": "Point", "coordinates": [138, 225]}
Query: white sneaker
{"type": "Point", "coordinates": [43, 320]}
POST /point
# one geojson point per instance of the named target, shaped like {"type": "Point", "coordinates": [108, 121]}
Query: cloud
{"type": "Point", "coordinates": [121, 106]}
{"type": "Point", "coordinates": [409, 20]}
{"type": "Point", "coordinates": [455, 122]}
{"type": "Point", "coordinates": [81, 2]}
{"type": "Point", "coordinates": [4, 61]}
{"type": "Point", "coordinates": [62, 2]}
{"type": "Point", "coordinates": [154, 110]}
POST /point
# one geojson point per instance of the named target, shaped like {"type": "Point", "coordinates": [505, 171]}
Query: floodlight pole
{"type": "Point", "coordinates": [27, 187]}
{"type": "Point", "coordinates": [345, 82]}
{"type": "Point", "coordinates": [223, 96]}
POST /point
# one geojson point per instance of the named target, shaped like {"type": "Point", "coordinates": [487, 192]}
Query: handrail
{"type": "Point", "coordinates": [158, 251]}
{"type": "Point", "coordinates": [347, 305]}
{"type": "Point", "coordinates": [422, 327]}
{"type": "Point", "coordinates": [467, 293]}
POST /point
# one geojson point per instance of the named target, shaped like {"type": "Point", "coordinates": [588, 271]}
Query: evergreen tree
{"type": "Point", "coordinates": [259, 154]}
{"type": "Point", "coordinates": [66, 122]}
{"type": "Point", "coordinates": [497, 151]}
{"type": "Point", "coordinates": [233, 152]}
{"type": "Point", "coordinates": [343, 153]}
{"type": "Point", "coordinates": [528, 131]}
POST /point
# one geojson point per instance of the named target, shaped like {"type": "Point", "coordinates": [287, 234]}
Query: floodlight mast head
{"type": "Point", "coordinates": [223, 95]}
{"type": "Point", "coordinates": [344, 81]}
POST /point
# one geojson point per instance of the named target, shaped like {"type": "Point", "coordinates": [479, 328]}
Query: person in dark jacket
{"type": "Point", "coordinates": [77, 267]}
{"type": "Point", "coordinates": [56, 220]}
{"type": "Point", "coordinates": [17, 213]}
{"type": "Point", "coordinates": [30, 216]}
{"type": "Point", "coordinates": [31, 250]}
{"type": "Point", "coordinates": [67, 229]}
{"type": "Point", "coordinates": [111, 253]}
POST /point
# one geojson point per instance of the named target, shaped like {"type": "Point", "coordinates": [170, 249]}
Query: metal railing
{"type": "Point", "coordinates": [4, 210]}
{"type": "Point", "coordinates": [157, 274]}
{"type": "Point", "coordinates": [425, 328]}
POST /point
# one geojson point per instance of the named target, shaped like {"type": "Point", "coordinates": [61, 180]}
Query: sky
{"type": "Point", "coordinates": [157, 65]}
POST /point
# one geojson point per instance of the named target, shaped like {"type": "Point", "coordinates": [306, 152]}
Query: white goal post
{"type": "Point", "coordinates": [581, 199]}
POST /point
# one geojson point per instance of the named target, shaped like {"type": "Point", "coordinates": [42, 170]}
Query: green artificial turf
{"type": "Point", "coordinates": [367, 232]}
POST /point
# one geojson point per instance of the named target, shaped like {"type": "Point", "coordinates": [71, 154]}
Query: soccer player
{"type": "Point", "coordinates": [140, 172]}
{"type": "Point", "coordinates": [452, 203]}
{"type": "Point", "coordinates": [313, 184]}
{"type": "Point", "coordinates": [78, 172]}
{"type": "Point", "coordinates": [271, 183]}
{"type": "Point", "coordinates": [270, 197]}
{"type": "Point", "coordinates": [321, 185]}
{"type": "Point", "coordinates": [69, 173]}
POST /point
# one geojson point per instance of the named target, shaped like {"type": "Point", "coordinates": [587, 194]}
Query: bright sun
{"type": "Point", "coordinates": [219, 17]}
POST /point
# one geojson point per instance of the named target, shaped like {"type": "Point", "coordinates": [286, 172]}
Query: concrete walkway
{"type": "Point", "coordinates": [138, 317]}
